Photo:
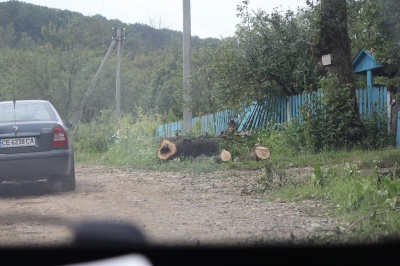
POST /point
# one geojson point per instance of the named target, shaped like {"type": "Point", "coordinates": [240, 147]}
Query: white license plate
{"type": "Point", "coordinates": [17, 142]}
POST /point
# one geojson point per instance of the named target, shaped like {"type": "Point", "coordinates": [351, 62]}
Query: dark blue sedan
{"type": "Point", "coordinates": [34, 144]}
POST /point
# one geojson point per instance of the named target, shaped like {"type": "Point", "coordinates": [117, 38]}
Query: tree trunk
{"type": "Point", "coordinates": [188, 147]}
{"type": "Point", "coordinates": [334, 40]}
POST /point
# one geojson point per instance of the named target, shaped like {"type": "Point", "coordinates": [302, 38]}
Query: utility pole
{"type": "Point", "coordinates": [187, 67]}
{"type": "Point", "coordinates": [118, 37]}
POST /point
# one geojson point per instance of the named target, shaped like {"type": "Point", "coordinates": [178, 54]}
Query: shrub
{"type": "Point", "coordinates": [376, 134]}
{"type": "Point", "coordinates": [96, 136]}
{"type": "Point", "coordinates": [136, 141]}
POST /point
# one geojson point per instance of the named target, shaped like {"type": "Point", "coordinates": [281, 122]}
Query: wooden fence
{"type": "Point", "coordinates": [275, 110]}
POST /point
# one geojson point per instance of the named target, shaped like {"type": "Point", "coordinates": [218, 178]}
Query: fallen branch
{"type": "Point", "coordinates": [179, 146]}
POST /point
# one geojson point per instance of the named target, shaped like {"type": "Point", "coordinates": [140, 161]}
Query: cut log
{"type": "Point", "coordinates": [167, 149]}
{"type": "Point", "coordinates": [180, 146]}
{"type": "Point", "coordinates": [224, 156]}
{"type": "Point", "coordinates": [262, 153]}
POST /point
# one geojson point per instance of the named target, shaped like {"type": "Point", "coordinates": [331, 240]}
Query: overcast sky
{"type": "Point", "coordinates": [210, 18]}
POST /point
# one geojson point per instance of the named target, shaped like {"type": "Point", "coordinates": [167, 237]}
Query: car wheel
{"type": "Point", "coordinates": [68, 182]}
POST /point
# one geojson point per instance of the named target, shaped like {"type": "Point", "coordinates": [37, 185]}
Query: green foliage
{"type": "Point", "coordinates": [352, 194]}
{"type": "Point", "coordinates": [271, 55]}
{"type": "Point", "coordinates": [343, 127]}
{"type": "Point", "coordinates": [327, 124]}
{"type": "Point", "coordinates": [134, 145]}
{"type": "Point", "coordinates": [238, 145]}
{"type": "Point", "coordinates": [136, 142]}
{"type": "Point", "coordinates": [271, 177]}
{"type": "Point", "coordinates": [202, 79]}
{"type": "Point", "coordinates": [96, 136]}
{"type": "Point", "coordinates": [312, 117]}
{"type": "Point", "coordinates": [376, 135]}
{"type": "Point", "coordinates": [54, 55]}
{"type": "Point", "coordinates": [317, 177]}
{"type": "Point", "coordinates": [186, 165]}
{"type": "Point", "coordinates": [374, 26]}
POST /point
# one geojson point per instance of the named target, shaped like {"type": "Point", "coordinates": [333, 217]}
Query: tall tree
{"type": "Point", "coordinates": [270, 54]}
{"type": "Point", "coordinates": [341, 104]}
{"type": "Point", "coordinates": [204, 98]}
{"type": "Point", "coordinates": [65, 46]}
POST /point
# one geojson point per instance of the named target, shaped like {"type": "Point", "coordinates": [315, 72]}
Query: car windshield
{"type": "Point", "coordinates": [25, 112]}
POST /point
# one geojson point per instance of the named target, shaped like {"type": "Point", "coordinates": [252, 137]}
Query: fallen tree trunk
{"type": "Point", "coordinates": [180, 146]}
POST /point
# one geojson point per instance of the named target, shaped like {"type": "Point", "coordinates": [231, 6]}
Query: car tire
{"type": "Point", "coordinates": [68, 182]}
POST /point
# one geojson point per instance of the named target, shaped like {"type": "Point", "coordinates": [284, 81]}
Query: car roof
{"type": "Point", "coordinates": [25, 101]}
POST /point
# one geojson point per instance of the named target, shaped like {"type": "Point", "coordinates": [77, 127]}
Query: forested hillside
{"type": "Point", "coordinates": [54, 54]}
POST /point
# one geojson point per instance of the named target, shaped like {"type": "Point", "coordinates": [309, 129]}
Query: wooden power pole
{"type": "Point", "coordinates": [187, 67]}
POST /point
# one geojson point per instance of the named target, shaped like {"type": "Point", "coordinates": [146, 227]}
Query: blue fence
{"type": "Point", "coordinates": [211, 124]}
{"type": "Point", "coordinates": [370, 100]}
{"type": "Point", "coordinates": [274, 110]}
{"type": "Point", "coordinates": [261, 114]}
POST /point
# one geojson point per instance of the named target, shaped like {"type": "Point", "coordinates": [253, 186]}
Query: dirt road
{"type": "Point", "coordinates": [171, 208]}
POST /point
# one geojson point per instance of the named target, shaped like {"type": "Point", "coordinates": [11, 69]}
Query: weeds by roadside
{"type": "Point", "coordinates": [368, 203]}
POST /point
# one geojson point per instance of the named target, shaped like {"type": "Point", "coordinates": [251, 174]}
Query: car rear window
{"type": "Point", "coordinates": [26, 112]}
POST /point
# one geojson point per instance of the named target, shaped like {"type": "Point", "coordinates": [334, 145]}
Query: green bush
{"type": "Point", "coordinates": [97, 136]}
{"type": "Point", "coordinates": [376, 134]}
{"type": "Point", "coordinates": [136, 142]}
